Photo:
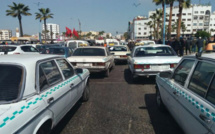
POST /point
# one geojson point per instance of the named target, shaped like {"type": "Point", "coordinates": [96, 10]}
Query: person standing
{"type": "Point", "coordinates": [188, 44]}
{"type": "Point", "coordinates": [182, 45]}
{"type": "Point", "coordinates": [194, 45]}
{"type": "Point", "coordinates": [176, 46]}
{"type": "Point", "coordinates": [200, 43]}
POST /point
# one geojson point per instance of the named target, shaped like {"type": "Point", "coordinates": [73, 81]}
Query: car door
{"type": "Point", "coordinates": [69, 74]}
{"type": "Point", "coordinates": [110, 58]}
{"type": "Point", "coordinates": [54, 90]}
{"type": "Point", "coordinates": [169, 87]}
{"type": "Point", "coordinates": [194, 111]}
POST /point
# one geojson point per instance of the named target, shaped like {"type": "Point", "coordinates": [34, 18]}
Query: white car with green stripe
{"type": "Point", "coordinates": [96, 59]}
{"type": "Point", "coordinates": [36, 91]}
{"type": "Point", "coordinates": [188, 93]}
{"type": "Point", "coordinates": [149, 60]}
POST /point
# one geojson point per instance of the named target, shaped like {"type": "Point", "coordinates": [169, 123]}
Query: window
{"type": "Point", "coordinates": [118, 48]}
{"type": "Point", "coordinates": [189, 14]}
{"type": "Point", "coordinates": [144, 33]}
{"type": "Point", "coordinates": [201, 78]}
{"type": "Point", "coordinates": [195, 17]}
{"type": "Point", "coordinates": [206, 24]}
{"type": "Point", "coordinates": [182, 71]}
{"type": "Point", "coordinates": [188, 25]}
{"type": "Point", "coordinates": [184, 14]}
{"type": "Point", "coordinates": [139, 28]}
{"type": "Point", "coordinates": [201, 17]}
{"type": "Point", "coordinates": [66, 68]}
{"type": "Point", "coordinates": [202, 12]}
{"type": "Point", "coordinates": [153, 51]}
{"type": "Point", "coordinates": [173, 14]}
{"type": "Point", "coordinates": [200, 24]}
{"type": "Point", "coordinates": [145, 28]}
{"type": "Point", "coordinates": [211, 92]}
{"type": "Point", "coordinates": [89, 51]}
{"type": "Point", "coordinates": [49, 74]}
{"type": "Point", "coordinates": [188, 30]}
{"type": "Point", "coordinates": [188, 19]}
{"type": "Point", "coordinates": [139, 33]}
{"type": "Point", "coordinates": [11, 79]}
{"type": "Point", "coordinates": [194, 24]}
{"type": "Point", "coordinates": [29, 49]}
{"type": "Point", "coordinates": [196, 12]}
{"type": "Point", "coordinates": [183, 19]}
{"type": "Point", "coordinates": [173, 19]}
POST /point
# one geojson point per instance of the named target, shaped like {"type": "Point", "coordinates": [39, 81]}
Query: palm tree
{"type": "Point", "coordinates": [1, 34]}
{"type": "Point", "coordinates": [170, 2]}
{"type": "Point", "coordinates": [159, 15]}
{"type": "Point", "coordinates": [182, 4]}
{"type": "Point", "coordinates": [44, 14]}
{"type": "Point", "coordinates": [150, 25]}
{"type": "Point", "coordinates": [17, 10]}
{"type": "Point", "coordinates": [153, 18]}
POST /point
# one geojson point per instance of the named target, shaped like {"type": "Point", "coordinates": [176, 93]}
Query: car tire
{"type": "Point", "coordinates": [159, 101]}
{"type": "Point", "coordinates": [86, 93]}
{"type": "Point", "coordinates": [44, 129]}
{"type": "Point", "coordinates": [107, 73]}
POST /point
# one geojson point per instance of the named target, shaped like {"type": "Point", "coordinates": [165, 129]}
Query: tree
{"type": "Point", "coordinates": [17, 10]}
{"type": "Point", "coordinates": [182, 4]}
{"type": "Point", "coordinates": [101, 32]}
{"type": "Point", "coordinates": [44, 14]}
{"type": "Point", "coordinates": [158, 16]}
{"type": "Point", "coordinates": [150, 25]}
{"type": "Point", "coordinates": [170, 2]}
{"type": "Point", "coordinates": [202, 34]}
{"type": "Point", "coordinates": [126, 36]}
{"type": "Point", "coordinates": [183, 27]}
{"type": "Point", "coordinates": [153, 18]}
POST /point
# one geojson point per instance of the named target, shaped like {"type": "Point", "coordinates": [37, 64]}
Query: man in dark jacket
{"type": "Point", "coordinates": [182, 45]}
{"type": "Point", "coordinates": [200, 43]}
{"type": "Point", "coordinates": [176, 46]}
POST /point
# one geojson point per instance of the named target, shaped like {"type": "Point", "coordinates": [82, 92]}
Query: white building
{"type": "Point", "coordinates": [54, 28]}
{"type": "Point", "coordinates": [196, 18]}
{"type": "Point", "coordinates": [5, 34]}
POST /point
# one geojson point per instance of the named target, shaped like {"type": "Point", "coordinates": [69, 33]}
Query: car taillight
{"type": "Point", "coordinates": [99, 64]}
{"type": "Point", "coordinates": [140, 66]}
{"type": "Point", "coordinates": [73, 63]}
{"type": "Point", "coordinates": [124, 56]}
{"type": "Point", "coordinates": [16, 53]}
{"type": "Point", "coordinates": [173, 65]}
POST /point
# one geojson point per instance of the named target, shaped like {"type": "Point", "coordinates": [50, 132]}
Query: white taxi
{"type": "Point", "coordinates": [96, 59]}
{"type": "Point", "coordinates": [36, 91]}
{"type": "Point", "coordinates": [151, 59]}
{"type": "Point", "coordinates": [120, 52]}
{"type": "Point", "coordinates": [18, 49]}
{"type": "Point", "coordinates": [189, 93]}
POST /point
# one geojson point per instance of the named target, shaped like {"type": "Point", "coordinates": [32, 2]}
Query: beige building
{"type": "Point", "coordinates": [5, 34]}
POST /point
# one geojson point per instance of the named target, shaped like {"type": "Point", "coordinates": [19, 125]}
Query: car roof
{"type": "Point", "coordinates": [156, 45]}
{"type": "Point", "coordinates": [92, 47]}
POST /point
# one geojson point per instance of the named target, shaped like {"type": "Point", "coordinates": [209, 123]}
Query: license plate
{"type": "Point", "coordinates": [84, 65]}
{"type": "Point", "coordinates": [159, 67]}
{"type": "Point", "coordinates": [117, 56]}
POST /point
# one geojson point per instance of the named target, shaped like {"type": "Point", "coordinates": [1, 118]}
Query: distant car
{"type": "Point", "coordinates": [96, 59]}
{"type": "Point", "coordinates": [149, 60]}
{"type": "Point", "coordinates": [64, 51]}
{"type": "Point", "coordinates": [145, 42]}
{"type": "Point", "coordinates": [42, 48]}
{"type": "Point", "coordinates": [188, 93]}
{"type": "Point", "coordinates": [73, 44]}
{"type": "Point", "coordinates": [37, 91]}
{"type": "Point", "coordinates": [18, 49]}
{"type": "Point", "coordinates": [120, 52]}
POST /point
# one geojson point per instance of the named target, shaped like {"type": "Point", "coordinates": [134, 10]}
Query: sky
{"type": "Point", "coordinates": [95, 15]}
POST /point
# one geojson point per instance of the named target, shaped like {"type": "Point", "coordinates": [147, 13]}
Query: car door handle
{"type": "Point", "coordinates": [50, 100]}
{"type": "Point", "coordinates": [175, 93]}
{"type": "Point", "coordinates": [71, 85]}
{"type": "Point", "coordinates": [204, 118]}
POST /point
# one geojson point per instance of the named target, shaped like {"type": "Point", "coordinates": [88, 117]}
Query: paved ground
{"type": "Point", "coordinates": [118, 106]}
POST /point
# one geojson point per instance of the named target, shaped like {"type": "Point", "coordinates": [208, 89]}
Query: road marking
{"type": "Point", "coordinates": [129, 126]}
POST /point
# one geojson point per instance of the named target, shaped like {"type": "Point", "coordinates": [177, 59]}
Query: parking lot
{"type": "Point", "coordinates": [118, 106]}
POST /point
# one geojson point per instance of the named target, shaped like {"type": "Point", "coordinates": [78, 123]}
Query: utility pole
{"type": "Point", "coordinates": [38, 5]}
{"type": "Point", "coordinates": [79, 22]}
{"type": "Point", "coordinates": [164, 22]}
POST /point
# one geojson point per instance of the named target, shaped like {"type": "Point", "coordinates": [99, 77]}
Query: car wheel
{"type": "Point", "coordinates": [107, 72]}
{"type": "Point", "coordinates": [159, 101]}
{"type": "Point", "coordinates": [44, 129]}
{"type": "Point", "coordinates": [86, 93]}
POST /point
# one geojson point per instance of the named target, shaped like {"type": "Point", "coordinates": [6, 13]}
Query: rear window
{"type": "Point", "coordinates": [59, 51]}
{"type": "Point", "coordinates": [7, 48]}
{"type": "Point", "coordinates": [89, 52]}
{"type": "Point", "coordinates": [118, 48]}
{"type": "Point", "coordinates": [153, 51]}
{"type": "Point", "coordinates": [11, 79]}
{"type": "Point", "coordinates": [29, 49]}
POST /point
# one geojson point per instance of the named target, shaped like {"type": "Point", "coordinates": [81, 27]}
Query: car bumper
{"type": "Point", "coordinates": [94, 69]}
{"type": "Point", "coordinates": [149, 73]}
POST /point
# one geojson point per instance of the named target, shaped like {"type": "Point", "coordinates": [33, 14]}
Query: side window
{"type": "Point", "coordinates": [182, 71]}
{"type": "Point", "coordinates": [211, 93]}
{"type": "Point", "coordinates": [201, 78]}
{"type": "Point", "coordinates": [51, 72]}
{"type": "Point", "coordinates": [42, 80]}
{"type": "Point", "coordinates": [65, 68]}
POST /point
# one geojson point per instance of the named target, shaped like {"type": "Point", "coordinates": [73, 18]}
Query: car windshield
{"type": "Point", "coordinates": [28, 49]}
{"type": "Point", "coordinates": [72, 45]}
{"type": "Point", "coordinates": [118, 48]}
{"type": "Point", "coordinates": [153, 51]}
{"type": "Point", "coordinates": [11, 79]}
{"type": "Point", "coordinates": [7, 48]}
{"type": "Point", "coordinates": [59, 51]}
{"type": "Point", "coordinates": [89, 52]}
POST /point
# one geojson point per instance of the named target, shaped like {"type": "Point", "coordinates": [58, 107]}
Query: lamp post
{"type": "Point", "coordinates": [164, 22]}
{"type": "Point", "coordinates": [38, 5]}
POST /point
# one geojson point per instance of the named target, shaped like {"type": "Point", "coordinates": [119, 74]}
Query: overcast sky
{"type": "Point", "coordinates": [96, 15]}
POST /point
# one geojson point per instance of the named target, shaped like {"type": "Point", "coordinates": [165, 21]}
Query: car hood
{"type": "Point", "coordinates": [156, 60]}
{"type": "Point", "coordinates": [88, 58]}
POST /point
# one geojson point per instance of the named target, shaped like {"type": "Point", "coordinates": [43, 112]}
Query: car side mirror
{"type": "Point", "coordinates": [79, 70]}
{"type": "Point", "coordinates": [166, 74]}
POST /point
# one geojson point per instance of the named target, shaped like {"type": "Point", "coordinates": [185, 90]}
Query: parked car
{"type": "Point", "coordinates": [120, 53]}
{"type": "Point", "coordinates": [64, 51]}
{"type": "Point", "coordinates": [18, 49]}
{"type": "Point", "coordinates": [188, 93]}
{"type": "Point", "coordinates": [42, 48]}
{"type": "Point", "coordinates": [145, 42]}
{"type": "Point", "coordinates": [96, 59]}
{"type": "Point", "coordinates": [149, 60]}
{"type": "Point", "coordinates": [73, 44]}
{"type": "Point", "coordinates": [37, 91]}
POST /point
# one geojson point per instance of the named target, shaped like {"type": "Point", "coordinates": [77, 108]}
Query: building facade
{"type": "Point", "coordinates": [5, 34]}
{"type": "Point", "coordinates": [196, 18]}
{"type": "Point", "coordinates": [55, 28]}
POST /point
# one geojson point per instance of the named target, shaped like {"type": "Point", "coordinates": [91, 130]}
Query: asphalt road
{"type": "Point", "coordinates": [118, 106]}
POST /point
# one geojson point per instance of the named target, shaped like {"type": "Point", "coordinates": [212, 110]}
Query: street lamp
{"type": "Point", "coordinates": [38, 5]}
{"type": "Point", "coordinates": [164, 22]}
